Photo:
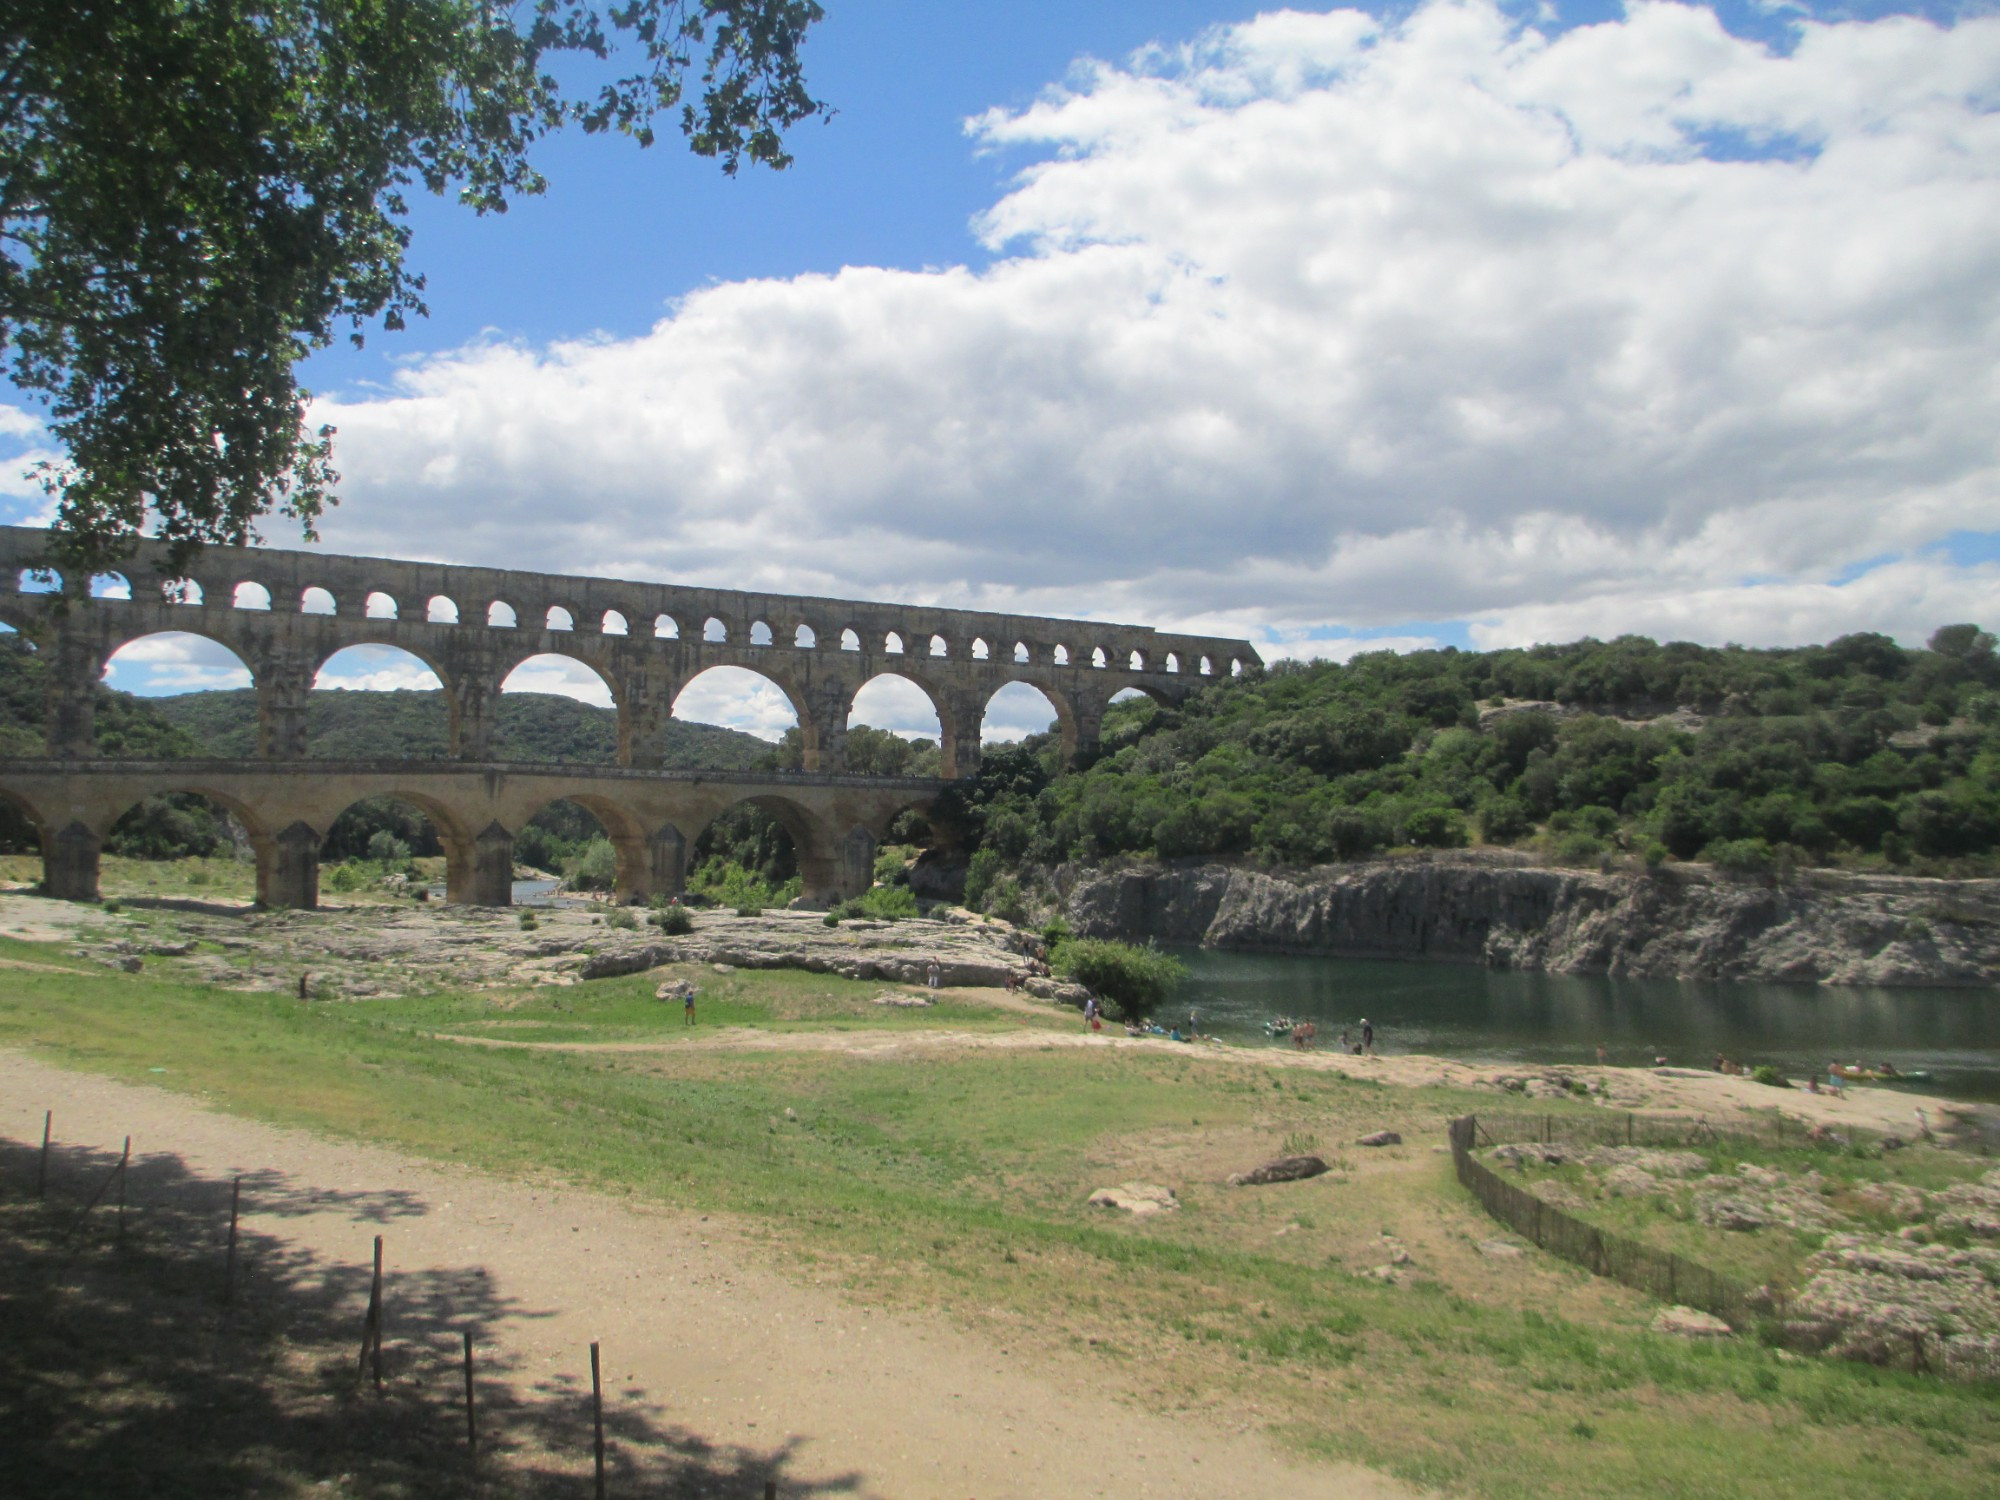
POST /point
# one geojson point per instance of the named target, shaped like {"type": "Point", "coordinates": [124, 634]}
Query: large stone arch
{"type": "Point", "coordinates": [276, 858]}
{"type": "Point", "coordinates": [822, 875]}
{"type": "Point", "coordinates": [285, 688]}
{"type": "Point", "coordinates": [1064, 705]}
{"type": "Point", "coordinates": [201, 625]}
{"type": "Point", "coordinates": [590, 650]}
{"type": "Point", "coordinates": [629, 837]}
{"type": "Point", "coordinates": [957, 713]}
{"type": "Point", "coordinates": [811, 732]}
{"type": "Point", "coordinates": [391, 639]}
{"type": "Point", "coordinates": [454, 830]}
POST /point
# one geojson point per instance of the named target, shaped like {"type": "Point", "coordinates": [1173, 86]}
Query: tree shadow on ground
{"type": "Point", "coordinates": [131, 1365]}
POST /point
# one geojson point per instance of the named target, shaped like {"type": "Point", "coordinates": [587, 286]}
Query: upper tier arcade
{"type": "Point", "coordinates": [284, 613]}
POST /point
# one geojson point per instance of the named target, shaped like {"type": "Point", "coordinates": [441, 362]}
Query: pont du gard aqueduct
{"type": "Point", "coordinates": [284, 613]}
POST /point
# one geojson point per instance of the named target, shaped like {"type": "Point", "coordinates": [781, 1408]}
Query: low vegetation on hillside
{"type": "Point", "coordinates": [1858, 753]}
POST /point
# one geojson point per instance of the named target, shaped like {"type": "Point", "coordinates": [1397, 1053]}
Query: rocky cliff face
{"type": "Point", "coordinates": [1680, 923]}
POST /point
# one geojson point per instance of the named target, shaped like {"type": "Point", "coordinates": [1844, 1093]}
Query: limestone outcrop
{"type": "Point", "coordinates": [1682, 922]}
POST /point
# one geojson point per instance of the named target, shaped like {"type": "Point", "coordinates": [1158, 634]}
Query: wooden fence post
{"type": "Point", "coordinates": [597, 1416]}
{"type": "Point", "coordinates": [42, 1176]}
{"type": "Point", "coordinates": [375, 1300]}
{"type": "Point", "coordinates": [229, 1270]}
{"type": "Point", "coordinates": [124, 1162]}
{"type": "Point", "coordinates": [371, 1325]}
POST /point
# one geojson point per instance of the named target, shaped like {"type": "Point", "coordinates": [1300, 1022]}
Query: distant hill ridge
{"type": "Point", "coordinates": [355, 724]}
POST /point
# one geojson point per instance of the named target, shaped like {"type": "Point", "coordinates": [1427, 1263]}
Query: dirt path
{"type": "Point", "coordinates": [1680, 1090]}
{"type": "Point", "coordinates": [697, 1326]}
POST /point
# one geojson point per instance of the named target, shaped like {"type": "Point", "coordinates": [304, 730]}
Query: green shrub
{"type": "Point", "coordinates": [344, 877]}
{"type": "Point", "coordinates": [620, 917]}
{"type": "Point", "coordinates": [1055, 930]}
{"type": "Point", "coordinates": [887, 903]}
{"type": "Point", "coordinates": [1504, 819]}
{"type": "Point", "coordinates": [1578, 849]}
{"type": "Point", "coordinates": [386, 848]}
{"type": "Point", "coordinates": [675, 921]}
{"type": "Point", "coordinates": [979, 877]}
{"type": "Point", "coordinates": [596, 869]}
{"type": "Point", "coordinates": [1435, 828]}
{"type": "Point", "coordinates": [1131, 980]}
{"type": "Point", "coordinates": [832, 918]}
{"type": "Point", "coordinates": [1006, 901]}
{"type": "Point", "coordinates": [1740, 856]}
{"type": "Point", "coordinates": [527, 920]}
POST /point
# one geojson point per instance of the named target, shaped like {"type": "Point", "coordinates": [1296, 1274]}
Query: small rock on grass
{"type": "Point", "coordinates": [1691, 1323]}
{"type": "Point", "coordinates": [892, 997]}
{"type": "Point", "coordinates": [1381, 1138]}
{"type": "Point", "coordinates": [1282, 1169]}
{"type": "Point", "coordinates": [1740, 1217]}
{"type": "Point", "coordinates": [1136, 1198]}
{"type": "Point", "coordinates": [1501, 1250]}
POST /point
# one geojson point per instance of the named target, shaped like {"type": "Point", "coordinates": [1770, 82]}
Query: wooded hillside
{"type": "Point", "coordinates": [351, 724]}
{"type": "Point", "coordinates": [1858, 752]}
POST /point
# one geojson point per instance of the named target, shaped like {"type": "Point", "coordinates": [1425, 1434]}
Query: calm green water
{"type": "Point", "coordinates": [1485, 1015]}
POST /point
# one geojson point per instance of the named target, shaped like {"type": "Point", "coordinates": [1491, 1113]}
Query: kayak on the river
{"type": "Point", "coordinates": [1279, 1027]}
{"type": "Point", "coordinates": [1880, 1073]}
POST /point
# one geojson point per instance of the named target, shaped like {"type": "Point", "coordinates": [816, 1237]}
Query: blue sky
{"type": "Point", "coordinates": [1449, 325]}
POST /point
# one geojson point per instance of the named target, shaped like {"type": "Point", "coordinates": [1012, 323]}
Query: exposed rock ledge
{"type": "Point", "coordinates": [1683, 922]}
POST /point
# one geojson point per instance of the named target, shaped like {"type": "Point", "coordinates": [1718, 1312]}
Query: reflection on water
{"type": "Point", "coordinates": [526, 892]}
{"type": "Point", "coordinates": [1462, 1011]}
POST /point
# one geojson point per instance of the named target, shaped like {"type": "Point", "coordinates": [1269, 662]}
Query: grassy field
{"type": "Point", "coordinates": [956, 1181]}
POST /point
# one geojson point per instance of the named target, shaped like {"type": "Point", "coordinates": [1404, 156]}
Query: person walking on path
{"type": "Point", "coordinates": [687, 1006]}
{"type": "Point", "coordinates": [932, 974]}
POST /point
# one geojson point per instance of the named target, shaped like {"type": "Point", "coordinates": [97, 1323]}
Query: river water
{"type": "Point", "coordinates": [1488, 1015]}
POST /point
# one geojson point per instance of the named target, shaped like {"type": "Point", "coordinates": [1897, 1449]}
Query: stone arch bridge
{"type": "Point", "coordinates": [285, 613]}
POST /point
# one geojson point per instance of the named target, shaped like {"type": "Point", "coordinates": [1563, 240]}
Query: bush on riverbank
{"type": "Point", "coordinates": [1131, 980]}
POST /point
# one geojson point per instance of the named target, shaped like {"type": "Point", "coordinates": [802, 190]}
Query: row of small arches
{"type": "Point", "coordinates": [442, 610]}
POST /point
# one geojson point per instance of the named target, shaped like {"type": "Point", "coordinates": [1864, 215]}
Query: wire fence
{"type": "Point", "coordinates": [1658, 1273]}
{"type": "Point", "coordinates": [1603, 1128]}
{"type": "Point", "coordinates": [1675, 1279]}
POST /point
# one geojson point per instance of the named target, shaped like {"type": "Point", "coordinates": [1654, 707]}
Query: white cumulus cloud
{"type": "Point", "coordinates": [1325, 324]}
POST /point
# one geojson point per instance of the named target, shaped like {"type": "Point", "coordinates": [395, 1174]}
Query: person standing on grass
{"type": "Point", "coordinates": [932, 974]}
{"type": "Point", "coordinates": [687, 1006]}
{"type": "Point", "coordinates": [1367, 1037]}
